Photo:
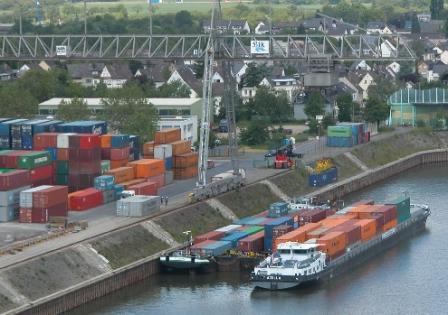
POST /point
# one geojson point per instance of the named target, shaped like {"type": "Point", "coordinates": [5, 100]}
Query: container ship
{"type": "Point", "coordinates": [320, 250]}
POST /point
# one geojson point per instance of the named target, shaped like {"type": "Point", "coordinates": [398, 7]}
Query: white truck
{"type": "Point", "coordinates": [306, 203]}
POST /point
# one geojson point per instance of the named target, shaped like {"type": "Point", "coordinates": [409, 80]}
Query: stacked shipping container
{"type": "Point", "coordinates": [347, 134]}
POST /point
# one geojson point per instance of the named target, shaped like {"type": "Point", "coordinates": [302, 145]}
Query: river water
{"type": "Point", "coordinates": [410, 278]}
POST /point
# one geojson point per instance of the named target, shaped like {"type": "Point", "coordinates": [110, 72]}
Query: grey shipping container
{"type": "Point", "coordinates": [168, 177]}
{"type": "Point", "coordinates": [11, 197]}
{"type": "Point", "coordinates": [7, 213]}
{"type": "Point", "coordinates": [138, 206]}
{"type": "Point", "coordinates": [108, 196]}
{"type": "Point", "coordinates": [26, 196]}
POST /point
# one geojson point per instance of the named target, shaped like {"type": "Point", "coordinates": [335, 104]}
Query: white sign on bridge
{"type": "Point", "coordinates": [259, 47]}
{"type": "Point", "coordinates": [61, 50]}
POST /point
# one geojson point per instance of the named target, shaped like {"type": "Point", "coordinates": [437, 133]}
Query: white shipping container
{"type": "Point", "coordinates": [7, 214]}
{"type": "Point", "coordinates": [169, 177]}
{"type": "Point", "coordinates": [229, 228]}
{"type": "Point", "coordinates": [138, 206]}
{"type": "Point", "coordinates": [163, 151]}
{"type": "Point", "coordinates": [11, 197]}
{"type": "Point", "coordinates": [26, 196]}
{"type": "Point", "coordinates": [62, 140]}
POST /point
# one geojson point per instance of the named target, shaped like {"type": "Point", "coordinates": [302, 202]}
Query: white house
{"type": "Point", "coordinates": [394, 67]}
{"type": "Point", "coordinates": [238, 71]}
{"type": "Point", "coordinates": [261, 28]}
{"type": "Point", "coordinates": [387, 49]}
{"type": "Point", "coordinates": [217, 77]}
{"type": "Point", "coordinates": [444, 57]}
{"type": "Point", "coordinates": [378, 28]}
{"type": "Point", "coordinates": [115, 76]}
{"type": "Point", "coordinates": [185, 75]}
{"type": "Point", "coordinates": [86, 74]}
{"type": "Point", "coordinates": [284, 84]}
{"type": "Point", "coordinates": [366, 82]}
{"type": "Point", "coordinates": [235, 26]}
{"type": "Point", "coordinates": [361, 65]}
{"type": "Point", "coordinates": [247, 93]}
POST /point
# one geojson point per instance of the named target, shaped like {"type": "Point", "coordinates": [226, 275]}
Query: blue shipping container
{"type": "Point", "coordinates": [4, 142]}
{"type": "Point", "coordinates": [50, 126]}
{"type": "Point", "coordinates": [169, 163]}
{"type": "Point", "coordinates": [119, 141]}
{"type": "Point", "coordinates": [339, 142]}
{"type": "Point", "coordinates": [104, 182]}
{"type": "Point", "coordinates": [279, 205]}
{"type": "Point", "coordinates": [134, 141]}
{"type": "Point", "coordinates": [269, 227]}
{"type": "Point", "coordinates": [84, 126]}
{"type": "Point", "coordinates": [234, 237]}
{"type": "Point", "coordinates": [323, 178]}
{"type": "Point", "coordinates": [219, 247]}
{"type": "Point", "coordinates": [5, 127]}
{"type": "Point", "coordinates": [136, 154]}
{"type": "Point", "coordinates": [53, 153]}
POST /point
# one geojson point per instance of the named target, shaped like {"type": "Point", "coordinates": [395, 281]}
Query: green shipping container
{"type": "Point", "coordinates": [62, 179]}
{"type": "Point", "coordinates": [339, 131]}
{"type": "Point", "coordinates": [254, 229]}
{"type": "Point", "coordinates": [34, 159]}
{"type": "Point", "coordinates": [403, 205]}
{"type": "Point", "coordinates": [105, 166]}
{"type": "Point", "coordinates": [62, 167]}
{"type": "Point", "coordinates": [5, 170]}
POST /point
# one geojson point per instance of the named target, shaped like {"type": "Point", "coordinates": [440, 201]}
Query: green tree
{"type": "Point", "coordinates": [314, 105]}
{"type": "Point", "coordinates": [376, 110]}
{"type": "Point", "coordinates": [41, 84]}
{"type": "Point", "coordinates": [275, 108]}
{"type": "Point", "coordinates": [174, 89]}
{"type": "Point", "coordinates": [183, 21]}
{"type": "Point", "coordinates": [256, 133]}
{"type": "Point", "coordinates": [17, 102]}
{"type": "Point", "coordinates": [128, 111]}
{"type": "Point", "coordinates": [347, 107]}
{"type": "Point", "coordinates": [383, 88]}
{"type": "Point", "coordinates": [75, 110]}
{"type": "Point", "coordinates": [436, 8]}
{"type": "Point", "coordinates": [254, 74]}
{"type": "Point", "coordinates": [415, 24]}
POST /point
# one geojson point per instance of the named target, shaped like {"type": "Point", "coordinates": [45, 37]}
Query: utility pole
{"type": "Point", "coordinates": [85, 17]}
{"type": "Point", "coordinates": [20, 21]}
{"type": "Point", "coordinates": [150, 16]}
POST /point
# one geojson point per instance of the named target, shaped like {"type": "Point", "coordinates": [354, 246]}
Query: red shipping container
{"type": "Point", "coordinates": [159, 180]}
{"type": "Point", "coordinates": [28, 215]}
{"type": "Point", "coordinates": [42, 182]}
{"type": "Point", "coordinates": [281, 230]}
{"type": "Point", "coordinates": [84, 141]}
{"type": "Point", "coordinates": [145, 189]}
{"type": "Point", "coordinates": [119, 154]}
{"type": "Point", "coordinates": [105, 153]}
{"type": "Point", "coordinates": [212, 235]}
{"type": "Point", "coordinates": [312, 216]}
{"type": "Point", "coordinates": [57, 210]}
{"type": "Point", "coordinates": [351, 230]}
{"type": "Point", "coordinates": [14, 179]}
{"type": "Point", "coordinates": [49, 197]}
{"type": "Point", "coordinates": [262, 214]}
{"type": "Point", "coordinates": [25, 215]}
{"type": "Point", "coordinates": [84, 154]}
{"type": "Point", "coordinates": [199, 248]}
{"type": "Point", "coordinates": [41, 173]}
{"type": "Point", "coordinates": [81, 180]}
{"type": "Point", "coordinates": [84, 167]}
{"type": "Point", "coordinates": [45, 140]}
{"type": "Point", "coordinates": [85, 199]}
{"type": "Point", "coordinates": [12, 158]}
{"type": "Point", "coordinates": [252, 243]}
{"type": "Point", "coordinates": [62, 155]}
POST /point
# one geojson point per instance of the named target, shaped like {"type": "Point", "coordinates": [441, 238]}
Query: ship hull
{"type": "Point", "coordinates": [350, 259]}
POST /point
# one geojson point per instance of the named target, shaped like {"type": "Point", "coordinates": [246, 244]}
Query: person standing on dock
{"type": "Point", "coordinates": [166, 200]}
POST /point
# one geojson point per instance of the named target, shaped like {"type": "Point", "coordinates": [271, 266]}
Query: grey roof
{"type": "Point", "coordinates": [218, 89]}
{"type": "Point", "coordinates": [440, 68]}
{"type": "Point", "coordinates": [237, 66]}
{"type": "Point", "coordinates": [431, 27]}
{"type": "Point", "coordinates": [342, 87]}
{"type": "Point", "coordinates": [155, 71]}
{"type": "Point", "coordinates": [376, 25]}
{"type": "Point", "coordinates": [5, 68]}
{"type": "Point", "coordinates": [332, 27]}
{"type": "Point", "coordinates": [277, 71]}
{"type": "Point", "coordinates": [119, 71]}
{"type": "Point", "coordinates": [225, 23]}
{"type": "Point", "coordinates": [84, 70]}
{"type": "Point", "coordinates": [189, 77]}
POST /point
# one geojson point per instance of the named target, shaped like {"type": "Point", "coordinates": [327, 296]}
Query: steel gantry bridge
{"type": "Point", "coordinates": [233, 47]}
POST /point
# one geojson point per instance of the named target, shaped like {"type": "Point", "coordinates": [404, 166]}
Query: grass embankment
{"type": "Point", "coordinates": [346, 168]}
{"type": "Point", "coordinates": [199, 218]}
{"type": "Point", "coordinates": [46, 275]}
{"type": "Point", "coordinates": [6, 304]}
{"type": "Point", "coordinates": [129, 245]}
{"type": "Point", "coordinates": [250, 200]}
{"type": "Point", "coordinates": [384, 151]}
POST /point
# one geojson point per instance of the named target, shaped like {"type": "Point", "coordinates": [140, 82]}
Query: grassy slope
{"type": "Point", "coordinates": [5, 304]}
{"type": "Point", "coordinates": [250, 200]}
{"type": "Point", "coordinates": [346, 168]}
{"type": "Point", "coordinates": [129, 245]}
{"type": "Point", "coordinates": [198, 219]}
{"type": "Point", "coordinates": [381, 152]}
{"type": "Point", "coordinates": [43, 276]}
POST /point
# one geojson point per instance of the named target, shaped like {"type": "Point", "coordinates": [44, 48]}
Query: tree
{"type": "Point", "coordinates": [183, 21]}
{"type": "Point", "coordinates": [254, 74]}
{"type": "Point", "coordinates": [383, 88]}
{"type": "Point", "coordinates": [75, 110]}
{"type": "Point", "coordinates": [415, 24]}
{"type": "Point", "coordinates": [376, 110]}
{"type": "Point", "coordinates": [41, 84]}
{"type": "Point", "coordinates": [127, 110]}
{"type": "Point", "coordinates": [436, 8]}
{"type": "Point", "coordinates": [256, 133]}
{"type": "Point", "coordinates": [275, 108]}
{"type": "Point", "coordinates": [347, 107]}
{"type": "Point", "coordinates": [17, 102]}
{"type": "Point", "coordinates": [174, 89]}
{"type": "Point", "coordinates": [314, 105]}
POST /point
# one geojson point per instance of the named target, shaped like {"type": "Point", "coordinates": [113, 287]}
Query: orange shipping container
{"type": "Point", "coordinates": [297, 235]}
{"type": "Point", "coordinates": [308, 227]}
{"type": "Point", "coordinates": [118, 163]}
{"type": "Point", "coordinates": [148, 148]}
{"type": "Point", "coordinates": [148, 168]}
{"type": "Point", "coordinates": [62, 154]}
{"type": "Point", "coordinates": [167, 136]}
{"type": "Point", "coordinates": [332, 243]}
{"type": "Point", "coordinates": [335, 220]}
{"type": "Point", "coordinates": [368, 228]}
{"type": "Point", "coordinates": [184, 173]}
{"type": "Point", "coordinates": [388, 225]}
{"type": "Point", "coordinates": [105, 141]}
{"type": "Point", "coordinates": [129, 183]}
{"type": "Point", "coordinates": [185, 160]}
{"type": "Point", "coordinates": [317, 233]}
{"type": "Point", "coordinates": [122, 174]}
{"type": "Point", "coordinates": [181, 147]}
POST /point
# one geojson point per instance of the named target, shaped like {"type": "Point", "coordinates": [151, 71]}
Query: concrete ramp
{"type": "Point", "coordinates": [276, 190]}
{"type": "Point", "coordinates": [159, 232]}
{"type": "Point", "coordinates": [225, 211]}
{"type": "Point", "coordinates": [357, 161]}
{"type": "Point", "coordinates": [93, 257]}
{"type": "Point", "coordinates": [6, 289]}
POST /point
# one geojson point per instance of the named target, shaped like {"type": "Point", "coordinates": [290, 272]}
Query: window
{"type": "Point", "coordinates": [284, 251]}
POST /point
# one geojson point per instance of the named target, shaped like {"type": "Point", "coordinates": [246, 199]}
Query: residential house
{"type": "Point", "coordinates": [432, 29]}
{"type": "Point", "coordinates": [86, 74]}
{"type": "Point", "coordinates": [236, 26]}
{"type": "Point", "coordinates": [387, 49]}
{"type": "Point", "coordinates": [345, 86]}
{"type": "Point", "coordinates": [157, 72]}
{"type": "Point", "coordinates": [362, 80]}
{"type": "Point", "coordinates": [238, 70]}
{"type": "Point", "coordinates": [437, 72]}
{"type": "Point", "coordinates": [379, 28]}
{"type": "Point", "coordinates": [444, 57]}
{"type": "Point", "coordinates": [393, 68]}
{"type": "Point", "coordinates": [262, 28]}
{"type": "Point", "coordinates": [115, 75]}
{"type": "Point", "coordinates": [360, 65]}
{"type": "Point", "coordinates": [42, 65]}
{"type": "Point", "coordinates": [247, 93]}
{"type": "Point", "coordinates": [6, 73]}
{"type": "Point", "coordinates": [186, 75]}
{"type": "Point", "coordinates": [333, 27]}
{"type": "Point", "coordinates": [280, 84]}
{"type": "Point", "coordinates": [422, 67]}
{"type": "Point", "coordinates": [6, 28]}
{"type": "Point", "coordinates": [424, 17]}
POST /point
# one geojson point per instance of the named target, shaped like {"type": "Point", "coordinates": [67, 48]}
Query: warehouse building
{"type": "Point", "coordinates": [411, 107]}
{"type": "Point", "coordinates": [164, 106]}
